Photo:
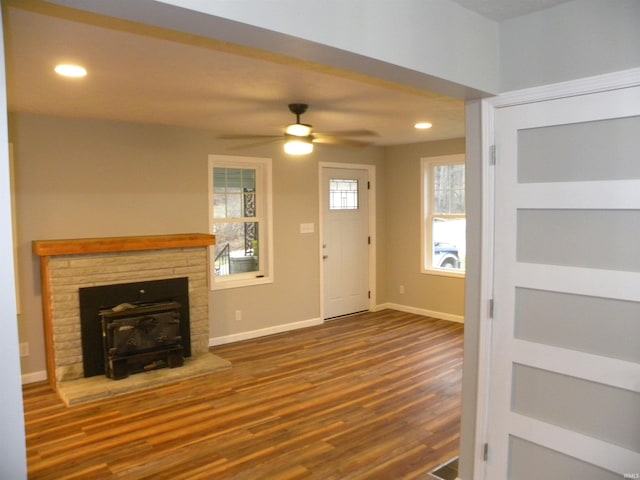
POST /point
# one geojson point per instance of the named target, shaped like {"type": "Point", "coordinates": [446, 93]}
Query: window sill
{"type": "Point", "coordinates": [246, 282]}
{"type": "Point", "coordinates": [444, 272]}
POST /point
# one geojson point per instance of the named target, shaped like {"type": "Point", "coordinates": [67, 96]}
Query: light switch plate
{"type": "Point", "coordinates": [307, 228]}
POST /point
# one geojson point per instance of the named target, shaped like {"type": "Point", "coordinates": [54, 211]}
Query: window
{"type": "Point", "coordinates": [443, 214]}
{"type": "Point", "coordinates": [240, 218]}
{"type": "Point", "coordinates": [343, 194]}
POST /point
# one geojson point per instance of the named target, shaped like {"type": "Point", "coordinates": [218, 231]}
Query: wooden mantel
{"type": "Point", "coordinates": [79, 246]}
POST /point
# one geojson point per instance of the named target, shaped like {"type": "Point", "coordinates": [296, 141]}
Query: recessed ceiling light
{"type": "Point", "coordinates": [423, 125]}
{"type": "Point", "coordinates": [67, 70]}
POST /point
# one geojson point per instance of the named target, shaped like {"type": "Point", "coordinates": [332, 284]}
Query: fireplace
{"type": "Point", "coordinates": [134, 327]}
{"type": "Point", "coordinates": [67, 266]}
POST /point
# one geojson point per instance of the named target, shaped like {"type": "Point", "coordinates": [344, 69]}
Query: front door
{"type": "Point", "coordinates": [564, 396]}
{"type": "Point", "coordinates": [345, 242]}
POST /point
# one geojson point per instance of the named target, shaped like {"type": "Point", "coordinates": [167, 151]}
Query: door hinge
{"type": "Point", "coordinates": [369, 294]}
{"type": "Point", "coordinates": [492, 155]}
{"type": "Point", "coordinates": [368, 185]}
{"type": "Point", "coordinates": [369, 240]}
{"type": "Point", "coordinates": [491, 307]}
{"type": "Point", "coordinates": [485, 452]}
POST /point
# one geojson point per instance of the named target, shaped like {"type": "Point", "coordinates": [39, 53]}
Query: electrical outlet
{"type": "Point", "coordinates": [238, 315]}
{"type": "Point", "coordinates": [401, 289]}
{"type": "Point", "coordinates": [24, 349]}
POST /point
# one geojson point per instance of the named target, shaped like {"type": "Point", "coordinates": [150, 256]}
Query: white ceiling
{"type": "Point", "coordinates": [137, 77]}
{"type": "Point", "coordinates": [500, 10]}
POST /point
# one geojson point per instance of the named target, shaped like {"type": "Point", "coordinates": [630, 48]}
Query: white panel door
{"type": "Point", "coordinates": [345, 244]}
{"type": "Point", "coordinates": [564, 391]}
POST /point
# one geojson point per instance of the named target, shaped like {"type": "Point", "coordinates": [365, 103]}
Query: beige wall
{"type": "Point", "coordinates": [423, 292]}
{"type": "Point", "coordinates": [91, 178]}
{"type": "Point", "coordinates": [88, 178]}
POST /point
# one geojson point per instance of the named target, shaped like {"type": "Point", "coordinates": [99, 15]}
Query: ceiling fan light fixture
{"type": "Point", "coordinates": [298, 145]}
{"type": "Point", "coordinates": [298, 130]}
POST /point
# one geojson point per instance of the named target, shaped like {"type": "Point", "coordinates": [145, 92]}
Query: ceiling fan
{"type": "Point", "coordinates": [299, 137]}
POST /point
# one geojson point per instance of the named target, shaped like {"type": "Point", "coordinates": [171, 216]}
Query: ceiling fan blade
{"type": "Point", "coordinates": [247, 137]}
{"type": "Point", "coordinates": [349, 142]}
{"type": "Point", "coordinates": [245, 146]}
{"type": "Point", "coordinates": [348, 133]}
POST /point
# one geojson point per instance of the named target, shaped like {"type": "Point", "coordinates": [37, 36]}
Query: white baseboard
{"type": "Point", "coordinates": [34, 377]}
{"type": "Point", "coordinates": [421, 311]}
{"type": "Point", "coordinates": [263, 332]}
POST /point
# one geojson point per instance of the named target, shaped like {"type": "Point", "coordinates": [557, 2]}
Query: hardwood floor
{"type": "Point", "coordinates": [375, 395]}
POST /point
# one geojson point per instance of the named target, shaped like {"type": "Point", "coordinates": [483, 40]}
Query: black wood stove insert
{"type": "Point", "coordinates": [134, 327]}
{"type": "Point", "coordinates": [141, 337]}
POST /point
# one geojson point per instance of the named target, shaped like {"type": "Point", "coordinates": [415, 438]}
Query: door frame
{"type": "Point", "coordinates": [371, 198]}
{"type": "Point", "coordinates": [584, 86]}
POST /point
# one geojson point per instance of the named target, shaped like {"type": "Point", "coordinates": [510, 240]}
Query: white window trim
{"type": "Point", "coordinates": [265, 276]}
{"type": "Point", "coordinates": [426, 194]}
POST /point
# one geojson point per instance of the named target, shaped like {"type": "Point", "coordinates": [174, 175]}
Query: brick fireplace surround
{"type": "Point", "coordinates": [67, 265]}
